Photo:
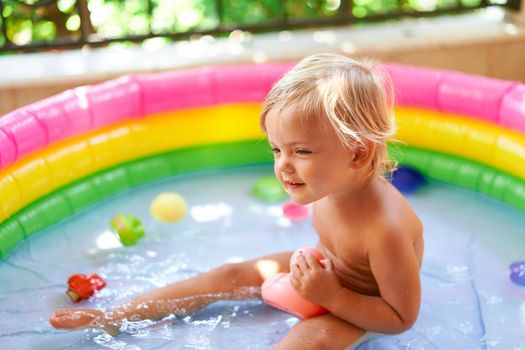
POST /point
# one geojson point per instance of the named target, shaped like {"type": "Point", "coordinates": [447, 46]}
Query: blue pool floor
{"type": "Point", "coordinates": [468, 300]}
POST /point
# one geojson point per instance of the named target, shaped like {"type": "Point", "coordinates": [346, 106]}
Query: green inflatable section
{"type": "Point", "coordinates": [79, 195]}
{"type": "Point", "coordinates": [462, 172]}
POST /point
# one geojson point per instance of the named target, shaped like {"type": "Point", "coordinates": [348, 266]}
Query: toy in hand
{"type": "Point", "coordinates": [129, 228]}
{"type": "Point", "coordinates": [82, 287]}
{"type": "Point", "coordinates": [279, 292]}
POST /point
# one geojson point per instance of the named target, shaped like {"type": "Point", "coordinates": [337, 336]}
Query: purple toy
{"type": "Point", "coordinates": [517, 272]}
{"type": "Point", "coordinates": [407, 180]}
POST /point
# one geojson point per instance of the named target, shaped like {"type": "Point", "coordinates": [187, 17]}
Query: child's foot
{"type": "Point", "coordinates": [74, 319]}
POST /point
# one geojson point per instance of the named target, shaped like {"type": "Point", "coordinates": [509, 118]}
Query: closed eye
{"type": "Point", "coordinates": [303, 151]}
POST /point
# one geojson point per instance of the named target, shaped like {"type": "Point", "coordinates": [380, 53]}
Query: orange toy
{"type": "Point", "coordinates": [278, 292]}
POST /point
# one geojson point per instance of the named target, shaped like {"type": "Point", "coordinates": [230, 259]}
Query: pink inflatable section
{"type": "Point", "coordinates": [136, 96]}
{"type": "Point", "coordinates": [415, 86]}
{"type": "Point", "coordinates": [75, 111]}
{"type": "Point", "coordinates": [474, 96]}
{"type": "Point", "coordinates": [497, 101]}
{"type": "Point", "coordinates": [208, 86]}
{"type": "Point", "coordinates": [512, 112]}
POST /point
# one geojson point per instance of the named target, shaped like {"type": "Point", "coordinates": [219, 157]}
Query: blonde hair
{"type": "Point", "coordinates": [355, 96]}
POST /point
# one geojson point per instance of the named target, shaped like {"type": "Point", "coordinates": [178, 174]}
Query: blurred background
{"type": "Point", "coordinates": [47, 46]}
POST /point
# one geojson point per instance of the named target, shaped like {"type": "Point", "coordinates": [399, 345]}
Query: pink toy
{"type": "Point", "coordinates": [279, 292]}
{"type": "Point", "coordinates": [295, 212]}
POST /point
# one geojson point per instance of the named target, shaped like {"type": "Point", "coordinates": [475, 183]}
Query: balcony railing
{"type": "Point", "coordinates": [37, 25]}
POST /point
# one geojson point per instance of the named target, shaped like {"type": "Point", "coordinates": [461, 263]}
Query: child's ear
{"type": "Point", "coordinates": [363, 155]}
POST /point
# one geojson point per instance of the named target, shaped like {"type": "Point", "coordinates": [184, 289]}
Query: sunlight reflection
{"type": "Point", "coordinates": [510, 29]}
{"type": "Point", "coordinates": [522, 314]}
{"type": "Point", "coordinates": [153, 44]}
{"type": "Point", "coordinates": [211, 212]}
{"type": "Point", "coordinates": [273, 210]}
{"type": "Point", "coordinates": [108, 240]}
{"type": "Point", "coordinates": [240, 36]}
{"type": "Point", "coordinates": [333, 4]}
{"type": "Point", "coordinates": [285, 35]}
{"type": "Point", "coordinates": [324, 37]}
{"type": "Point", "coordinates": [267, 268]}
{"type": "Point", "coordinates": [284, 222]}
{"type": "Point", "coordinates": [347, 47]}
{"type": "Point", "coordinates": [80, 92]}
{"type": "Point", "coordinates": [234, 260]}
{"type": "Point", "coordinates": [260, 57]}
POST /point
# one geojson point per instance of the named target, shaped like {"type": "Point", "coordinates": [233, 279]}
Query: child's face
{"type": "Point", "coordinates": [310, 162]}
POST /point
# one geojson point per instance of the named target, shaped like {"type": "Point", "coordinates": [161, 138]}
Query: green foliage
{"type": "Point", "coordinates": [250, 12]}
{"type": "Point", "coordinates": [182, 16]}
{"type": "Point", "coordinates": [2, 39]}
{"type": "Point", "coordinates": [364, 8]}
{"type": "Point", "coordinates": [117, 18]}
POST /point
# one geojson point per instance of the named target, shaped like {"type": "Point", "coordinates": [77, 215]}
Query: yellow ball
{"type": "Point", "coordinates": [169, 207]}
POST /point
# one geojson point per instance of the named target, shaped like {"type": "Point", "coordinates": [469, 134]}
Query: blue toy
{"type": "Point", "coordinates": [517, 272]}
{"type": "Point", "coordinates": [407, 180]}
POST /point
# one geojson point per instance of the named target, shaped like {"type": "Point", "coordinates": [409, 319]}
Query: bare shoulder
{"type": "Point", "coordinates": [396, 223]}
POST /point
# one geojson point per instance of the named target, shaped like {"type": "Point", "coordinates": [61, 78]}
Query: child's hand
{"type": "Point", "coordinates": [315, 281]}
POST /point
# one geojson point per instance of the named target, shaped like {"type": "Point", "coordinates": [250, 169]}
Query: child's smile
{"type": "Point", "coordinates": [292, 186]}
{"type": "Point", "coordinates": [309, 160]}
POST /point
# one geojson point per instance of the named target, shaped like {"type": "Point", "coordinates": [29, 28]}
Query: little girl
{"type": "Point", "coordinates": [327, 121]}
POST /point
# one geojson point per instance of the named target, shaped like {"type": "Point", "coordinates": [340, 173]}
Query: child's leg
{"type": "Point", "coordinates": [227, 282]}
{"type": "Point", "coordinates": [321, 332]}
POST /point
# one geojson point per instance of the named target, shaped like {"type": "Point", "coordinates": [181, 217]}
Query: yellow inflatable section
{"type": "Point", "coordinates": [51, 168]}
{"type": "Point", "coordinates": [67, 161]}
{"type": "Point", "coordinates": [464, 137]}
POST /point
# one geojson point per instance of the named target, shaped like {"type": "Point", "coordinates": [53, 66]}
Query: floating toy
{"type": "Point", "coordinates": [82, 287]}
{"type": "Point", "coordinates": [129, 228]}
{"type": "Point", "coordinates": [517, 272]}
{"type": "Point", "coordinates": [407, 180]}
{"type": "Point", "coordinates": [295, 212]}
{"type": "Point", "coordinates": [278, 292]}
{"type": "Point", "coordinates": [269, 189]}
{"type": "Point", "coordinates": [169, 207]}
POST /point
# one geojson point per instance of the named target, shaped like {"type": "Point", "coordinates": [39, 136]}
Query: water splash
{"type": "Point", "coordinates": [108, 342]}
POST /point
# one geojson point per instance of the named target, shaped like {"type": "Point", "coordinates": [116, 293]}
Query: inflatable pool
{"type": "Point", "coordinates": [71, 162]}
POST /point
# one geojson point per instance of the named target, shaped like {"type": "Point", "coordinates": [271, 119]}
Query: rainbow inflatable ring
{"type": "Point", "coordinates": [65, 153]}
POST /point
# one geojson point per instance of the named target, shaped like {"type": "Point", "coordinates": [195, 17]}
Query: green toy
{"type": "Point", "coordinates": [129, 228]}
{"type": "Point", "coordinates": [269, 189]}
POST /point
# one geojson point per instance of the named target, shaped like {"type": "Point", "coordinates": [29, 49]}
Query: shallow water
{"type": "Point", "coordinates": [468, 299]}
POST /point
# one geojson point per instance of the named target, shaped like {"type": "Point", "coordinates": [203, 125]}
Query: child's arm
{"type": "Point", "coordinates": [396, 269]}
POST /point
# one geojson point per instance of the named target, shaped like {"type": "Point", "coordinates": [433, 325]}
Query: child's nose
{"type": "Point", "coordinates": [284, 165]}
